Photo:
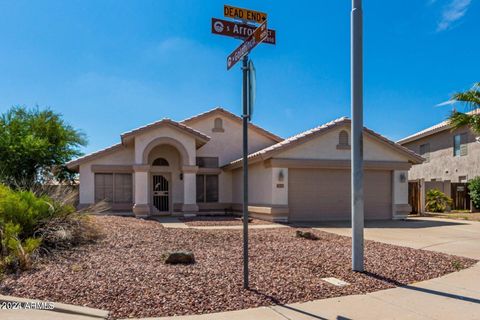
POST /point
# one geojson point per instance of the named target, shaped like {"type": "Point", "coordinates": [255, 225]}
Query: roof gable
{"type": "Point", "coordinates": [200, 137]}
{"type": "Point", "coordinates": [308, 135]}
{"type": "Point", "coordinates": [228, 114]}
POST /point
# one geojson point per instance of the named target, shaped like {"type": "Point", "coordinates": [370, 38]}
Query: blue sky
{"type": "Point", "coordinates": [110, 66]}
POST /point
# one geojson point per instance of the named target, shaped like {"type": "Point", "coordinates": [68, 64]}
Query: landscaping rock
{"type": "Point", "coordinates": [178, 257]}
{"type": "Point", "coordinates": [306, 234]}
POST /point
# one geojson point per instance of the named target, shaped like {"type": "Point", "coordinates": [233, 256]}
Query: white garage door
{"type": "Point", "coordinates": [324, 194]}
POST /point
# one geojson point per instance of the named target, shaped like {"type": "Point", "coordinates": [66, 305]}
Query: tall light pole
{"type": "Point", "coordinates": [357, 134]}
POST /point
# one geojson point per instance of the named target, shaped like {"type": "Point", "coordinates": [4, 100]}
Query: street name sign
{"type": "Point", "coordinates": [238, 30]}
{"type": "Point", "coordinates": [259, 35]}
{"type": "Point", "coordinates": [244, 14]}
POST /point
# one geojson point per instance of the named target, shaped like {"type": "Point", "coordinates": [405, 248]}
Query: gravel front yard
{"type": "Point", "coordinates": [218, 221]}
{"type": "Point", "coordinates": [124, 273]}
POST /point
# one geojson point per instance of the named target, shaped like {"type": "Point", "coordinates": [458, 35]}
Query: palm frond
{"type": "Point", "coordinates": [470, 97]}
{"type": "Point", "coordinates": [460, 119]}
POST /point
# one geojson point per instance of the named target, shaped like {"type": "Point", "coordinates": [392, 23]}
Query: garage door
{"type": "Point", "coordinates": [324, 194]}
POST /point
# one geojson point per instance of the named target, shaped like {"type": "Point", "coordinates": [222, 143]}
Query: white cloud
{"type": "Point", "coordinates": [453, 12]}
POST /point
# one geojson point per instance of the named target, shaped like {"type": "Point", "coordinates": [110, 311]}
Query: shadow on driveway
{"type": "Point", "coordinates": [417, 223]}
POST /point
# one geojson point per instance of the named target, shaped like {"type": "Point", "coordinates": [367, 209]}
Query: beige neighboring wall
{"type": "Point", "coordinates": [121, 156]}
{"type": "Point", "coordinates": [443, 165]}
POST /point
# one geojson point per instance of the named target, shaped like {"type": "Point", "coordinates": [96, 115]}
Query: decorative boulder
{"type": "Point", "coordinates": [306, 234]}
{"type": "Point", "coordinates": [178, 257]}
{"type": "Point", "coordinates": [249, 220]}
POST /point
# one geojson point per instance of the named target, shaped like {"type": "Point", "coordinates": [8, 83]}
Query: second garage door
{"type": "Point", "coordinates": [324, 194]}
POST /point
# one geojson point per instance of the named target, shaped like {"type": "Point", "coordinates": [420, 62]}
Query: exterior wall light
{"type": "Point", "coordinates": [181, 176]}
{"type": "Point", "coordinates": [403, 177]}
{"type": "Point", "coordinates": [280, 175]}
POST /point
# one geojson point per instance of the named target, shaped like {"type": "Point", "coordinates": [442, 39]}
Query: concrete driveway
{"type": "Point", "coordinates": [455, 237]}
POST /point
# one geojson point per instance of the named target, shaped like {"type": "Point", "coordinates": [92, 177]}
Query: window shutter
{"type": "Point", "coordinates": [211, 188]}
{"type": "Point", "coordinates": [123, 188]}
{"type": "Point", "coordinates": [200, 188]}
{"type": "Point", "coordinates": [463, 144]}
{"type": "Point", "coordinates": [103, 187]}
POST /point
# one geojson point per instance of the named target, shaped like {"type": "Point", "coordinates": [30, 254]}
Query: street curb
{"type": "Point", "coordinates": [61, 307]}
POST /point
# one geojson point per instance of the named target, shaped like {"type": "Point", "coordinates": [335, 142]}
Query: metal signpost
{"type": "Point", "coordinates": [357, 134]}
{"type": "Point", "coordinates": [252, 35]}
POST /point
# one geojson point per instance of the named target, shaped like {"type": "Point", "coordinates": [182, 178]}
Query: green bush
{"type": "Point", "coordinates": [474, 191]}
{"type": "Point", "coordinates": [28, 222]}
{"type": "Point", "coordinates": [437, 201]}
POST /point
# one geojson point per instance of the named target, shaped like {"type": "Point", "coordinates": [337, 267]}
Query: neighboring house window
{"type": "Point", "coordinates": [113, 187]}
{"type": "Point", "coordinates": [425, 151]}
{"type": "Point", "coordinates": [160, 162]}
{"type": "Point", "coordinates": [460, 145]}
{"type": "Point", "coordinates": [218, 125]}
{"type": "Point", "coordinates": [207, 162]}
{"type": "Point", "coordinates": [207, 188]}
{"type": "Point", "coordinates": [343, 140]}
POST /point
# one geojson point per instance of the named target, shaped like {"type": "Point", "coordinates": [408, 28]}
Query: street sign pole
{"type": "Point", "coordinates": [357, 135]}
{"type": "Point", "coordinates": [245, 117]}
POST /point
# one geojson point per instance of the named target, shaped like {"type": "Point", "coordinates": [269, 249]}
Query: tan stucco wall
{"type": "Point", "coordinates": [443, 165]}
{"type": "Point", "coordinates": [259, 183]}
{"type": "Point", "coordinates": [264, 180]}
{"type": "Point", "coordinates": [124, 156]}
{"type": "Point", "coordinates": [325, 147]}
{"type": "Point", "coordinates": [227, 145]}
{"type": "Point", "coordinates": [143, 139]}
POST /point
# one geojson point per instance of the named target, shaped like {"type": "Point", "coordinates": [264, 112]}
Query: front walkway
{"type": "Point", "coordinates": [454, 296]}
{"type": "Point", "coordinates": [174, 222]}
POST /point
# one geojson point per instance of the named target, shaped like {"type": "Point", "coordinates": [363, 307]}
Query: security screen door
{"type": "Point", "coordinates": [160, 193]}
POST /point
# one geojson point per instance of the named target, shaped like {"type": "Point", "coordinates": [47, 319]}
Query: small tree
{"type": "Point", "coordinates": [35, 145]}
{"type": "Point", "coordinates": [474, 191]}
{"type": "Point", "coordinates": [437, 201]}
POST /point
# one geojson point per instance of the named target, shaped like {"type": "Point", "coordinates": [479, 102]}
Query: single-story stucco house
{"type": "Point", "coordinates": [194, 165]}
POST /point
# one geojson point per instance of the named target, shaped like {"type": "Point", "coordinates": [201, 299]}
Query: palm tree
{"type": "Point", "coordinates": [471, 98]}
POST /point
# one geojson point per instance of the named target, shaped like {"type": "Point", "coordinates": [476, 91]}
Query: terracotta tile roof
{"type": "Point", "coordinates": [229, 114]}
{"type": "Point", "coordinates": [306, 135]}
{"type": "Point", "coordinates": [74, 163]}
{"type": "Point", "coordinates": [166, 121]}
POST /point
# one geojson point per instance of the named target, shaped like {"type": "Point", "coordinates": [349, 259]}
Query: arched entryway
{"type": "Point", "coordinates": [166, 180]}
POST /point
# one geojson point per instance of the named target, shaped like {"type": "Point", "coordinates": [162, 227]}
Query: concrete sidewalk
{"type": "Point", "coordinates": [14, 308]}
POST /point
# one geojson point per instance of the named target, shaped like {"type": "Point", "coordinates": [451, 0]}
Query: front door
{"type": "Point", "coordinates": [160, 193]}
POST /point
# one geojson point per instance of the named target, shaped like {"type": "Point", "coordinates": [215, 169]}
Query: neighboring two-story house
{"type": "Point", "coordinates": [451, 159]}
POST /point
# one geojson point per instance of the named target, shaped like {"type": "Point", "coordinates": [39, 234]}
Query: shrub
{"type": "Point", "coordinates": [437, 201]}
{"type": "Point", "coordinates": [29, 222]}
{"type": "Point", "coordinates": [474, 191]}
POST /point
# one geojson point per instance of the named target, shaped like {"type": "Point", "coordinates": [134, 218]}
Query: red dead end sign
{"type": "Point", "coordinates": [238, 30]}
{"type": "Point", "coordinates": [259, 35]}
